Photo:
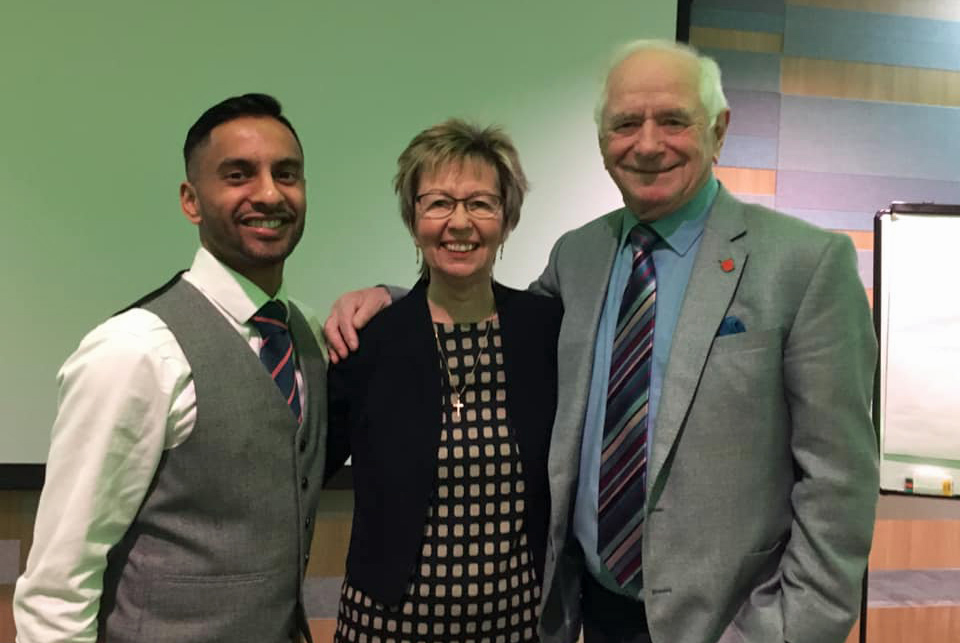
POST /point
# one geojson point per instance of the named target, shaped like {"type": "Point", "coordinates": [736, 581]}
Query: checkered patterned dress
{"type": "Point", "coordinates": [475, 580]}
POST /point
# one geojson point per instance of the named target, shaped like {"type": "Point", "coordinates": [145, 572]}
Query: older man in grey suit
{"type": "Point", "coordinates": [742, 510]}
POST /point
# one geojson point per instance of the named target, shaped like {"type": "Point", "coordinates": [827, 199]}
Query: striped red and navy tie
{"type": "Point", "coordinates": [276, 352]}
{"type": "Point", "coordinates": [623, 459]}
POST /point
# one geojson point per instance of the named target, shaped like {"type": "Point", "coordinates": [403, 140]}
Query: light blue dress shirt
{"type": "Point", "coordinates": [673, 258]}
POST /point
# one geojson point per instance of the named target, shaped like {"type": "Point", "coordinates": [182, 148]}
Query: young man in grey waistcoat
{"type": "Point", "coordinates": [187, 453]}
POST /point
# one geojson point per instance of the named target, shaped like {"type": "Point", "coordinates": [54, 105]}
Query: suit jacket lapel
{"type": "Point", "coordinates": [708, 295]}
{"type": "Point", "coordinates": [594, 271]}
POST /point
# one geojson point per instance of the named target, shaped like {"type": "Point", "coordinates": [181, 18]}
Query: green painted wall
{"type": "Point", "coordinates": [97, 96]}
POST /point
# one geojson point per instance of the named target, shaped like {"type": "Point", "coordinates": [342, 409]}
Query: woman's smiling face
{"type": "Point", "coordinates": [460, 247]}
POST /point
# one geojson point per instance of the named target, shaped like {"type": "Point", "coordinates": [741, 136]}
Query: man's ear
{"type": "Point", "coordinates": [188, 202]}
{"type": "Point", "coordinates": [720, 132]}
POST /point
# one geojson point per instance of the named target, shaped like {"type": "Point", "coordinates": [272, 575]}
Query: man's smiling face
{"type": "Point", "coordinates": [656, 137]}
{"type": "Point", "coordinates": [246, 192]}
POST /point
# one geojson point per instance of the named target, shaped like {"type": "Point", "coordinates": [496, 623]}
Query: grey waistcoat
{"type": "Point", "coordinates": [218, 549]}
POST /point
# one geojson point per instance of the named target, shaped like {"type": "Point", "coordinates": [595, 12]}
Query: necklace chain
{"type": "Point", "coordinates": [455, 395]}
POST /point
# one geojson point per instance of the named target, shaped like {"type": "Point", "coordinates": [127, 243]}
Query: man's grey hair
{"type": "Point", "coordinates": [711, 89]}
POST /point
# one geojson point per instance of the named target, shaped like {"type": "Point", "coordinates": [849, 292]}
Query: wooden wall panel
{"type": "Point", "coordinates": [862, 239]}
{"type": "Point", "coordinates": [741, 180]}
{"type": "Point", "coordinates": [321, 629]}
{"type": "Point", "coordinates": [939, 624]}
{"type": "Point", "coordinates": [899, 506]}
{"type": "Point", "coordinates": [854, 635]}
{"type": "Point", "coordinates": [916, 544]}
{"type": "Point", "coordinates": [938, 9]}
{"type": "Point", "coordinates": [756, 41]}
{"type": "Point", "coordinates": [7, 633]}
{"type": "Point", "coordinates": [17, 512]}
{"type": "Point", "coordinates": [866, 81]}
{"type": "Point", "coordinates": [328, 554]}
{"type": "Point", "coordinates": [331, 535]}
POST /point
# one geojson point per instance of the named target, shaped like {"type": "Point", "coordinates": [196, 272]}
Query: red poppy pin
{"type": "Point", "coordinates": [727, 265]}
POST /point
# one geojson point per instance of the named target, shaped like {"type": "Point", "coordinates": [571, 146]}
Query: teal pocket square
{"type": "Point", "coordinates": [730, 326]}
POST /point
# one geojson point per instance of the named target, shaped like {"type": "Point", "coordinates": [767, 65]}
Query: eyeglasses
{"type": "Point", "coordinates": [439, 205]}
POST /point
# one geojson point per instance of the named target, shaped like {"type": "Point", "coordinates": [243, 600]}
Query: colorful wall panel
{"type": "Point", "coordinates": [846, 105]}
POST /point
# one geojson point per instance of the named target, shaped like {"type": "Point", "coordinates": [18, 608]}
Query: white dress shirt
{"type": "Point", "coordinates": [125, 395]}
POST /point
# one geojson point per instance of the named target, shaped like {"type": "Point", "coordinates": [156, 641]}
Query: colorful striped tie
{"type": "Point", "coordinates": [276, 352]}
{"type": "Point", "coordinates": [623, 460]}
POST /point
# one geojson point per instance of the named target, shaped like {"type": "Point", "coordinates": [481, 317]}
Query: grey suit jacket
{"type": "Point", "coordinates": [762, 480]}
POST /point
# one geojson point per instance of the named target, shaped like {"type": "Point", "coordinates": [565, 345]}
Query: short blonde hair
{"type": "Point", "coordinates": [454, 142]}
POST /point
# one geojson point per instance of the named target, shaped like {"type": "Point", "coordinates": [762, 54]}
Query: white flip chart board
{"type": "Point", "coordinates": [917, 307]}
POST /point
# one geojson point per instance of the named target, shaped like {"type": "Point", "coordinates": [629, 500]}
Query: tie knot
{"type": "Point", "coordinates": [271, 318]}
{"type": "Point", "coordinates": [643, 239]}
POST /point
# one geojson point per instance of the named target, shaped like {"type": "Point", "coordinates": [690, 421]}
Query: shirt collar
{"type": "Point", "coordinates": [681, 228]}
{"type": "Point", "coordinates": [232, 292]}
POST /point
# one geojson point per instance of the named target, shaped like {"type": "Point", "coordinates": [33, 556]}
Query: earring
{"type": "Point", "coordinates": [501, 250]}
{"type": "Point", "coordinates": [418, 254]}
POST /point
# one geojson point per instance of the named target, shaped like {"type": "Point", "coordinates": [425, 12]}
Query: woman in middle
{"type": "Point", "coordinates": [447, 409]}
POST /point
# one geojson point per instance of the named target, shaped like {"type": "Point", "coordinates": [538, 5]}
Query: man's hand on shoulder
{"type": "Point", "coordinates": [349, 313]}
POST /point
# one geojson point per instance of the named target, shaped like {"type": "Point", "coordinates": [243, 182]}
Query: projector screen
{"type": "Point", "coordinates": [98, 97]}
{"type": "Point", "coordinates": [919, 323]}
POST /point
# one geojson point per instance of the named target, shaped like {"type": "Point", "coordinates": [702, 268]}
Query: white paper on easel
{"type": "Point", "coordinates": [921, 336]}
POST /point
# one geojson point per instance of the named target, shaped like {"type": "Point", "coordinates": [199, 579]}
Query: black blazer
{"type": "Point", "coordinates": [385, 410]}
